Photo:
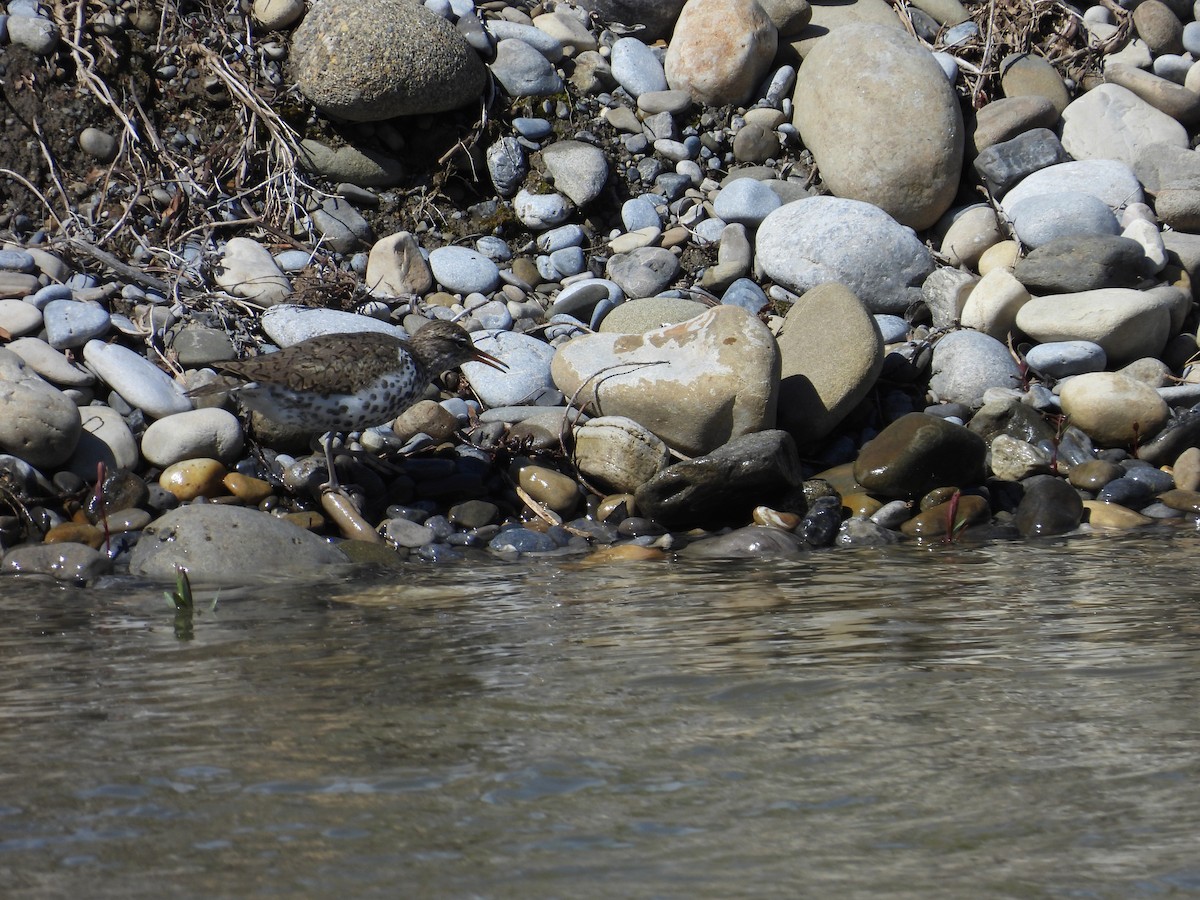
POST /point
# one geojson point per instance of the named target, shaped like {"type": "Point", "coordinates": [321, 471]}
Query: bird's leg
{"type": "Point", "coordinates": [332, 484]}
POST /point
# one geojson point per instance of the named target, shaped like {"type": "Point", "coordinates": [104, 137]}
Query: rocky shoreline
{"type": "Point", "coordinates": [768, 277]}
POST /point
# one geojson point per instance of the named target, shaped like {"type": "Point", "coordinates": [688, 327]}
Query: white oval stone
{"type": "Point", "coordinates": [140, 382]}
{"type": "Point", "coordinates": [213, 433]}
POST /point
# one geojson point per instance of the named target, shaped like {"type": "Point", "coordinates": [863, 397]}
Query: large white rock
{"type": "Point", "coordinates": [396, 268]}
{"type": "Point", "coordinates": [105, 438]}
{"type": "Point", "coordinates": [882, 122]}
{"type": "Point", "coordinates": [820, 239]}
{"type": "Point", "coordinates": [1112, 122]}
{"type": "Point", "coordinates": [1129, 324]}
{"type": "Point", "coordinates": [206, 433]}
{"type": "Point", "coordinates": [720, 50]}
{"type": "Point", "coordinates": [1113, 409]}
{"type": "Point", "coordinates": [248, 270]}
{"type": "Point", "coordinates": [696, 385]}
{"type": "Point", "coordinates": [831, 354]}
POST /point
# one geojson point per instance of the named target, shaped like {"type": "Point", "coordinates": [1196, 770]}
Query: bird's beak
{"type": "Point", "coordinates": [488, 360]}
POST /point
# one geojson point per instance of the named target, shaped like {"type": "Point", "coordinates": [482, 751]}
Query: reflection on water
{"type": "Point", "coordinates": [1016, 720]}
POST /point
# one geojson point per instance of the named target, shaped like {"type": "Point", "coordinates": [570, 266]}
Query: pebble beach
{"type": "Point", "coordinates": [769, 278]}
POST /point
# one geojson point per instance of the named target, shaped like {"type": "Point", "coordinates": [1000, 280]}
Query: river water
{"type": "Point", "coordinates": [1012, 720]}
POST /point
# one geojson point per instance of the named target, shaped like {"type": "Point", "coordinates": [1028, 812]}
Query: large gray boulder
{"type": "Point", "coordinates": [228, 544]}
{"type": "Point", "coordinates": [820, 239]}
{"type": "Point", "coordinates": [369, 61]}
{"type": "Point", "coordinates": [882, 121]}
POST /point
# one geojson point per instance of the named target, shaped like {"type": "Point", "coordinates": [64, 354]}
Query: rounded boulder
{"type": "Point", "coordinates": [882, 122]}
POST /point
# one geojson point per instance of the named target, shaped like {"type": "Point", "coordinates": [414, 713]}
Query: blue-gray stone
{"type": "Point", "coordinates": [746, 201]}
{"type": "Point", "coordinates": [568, 261]}
{"type": "Point", "coordinates": [1125, 491]}
{"type": "Point", "coordinates": [639, 212]}
{"type": "Point", "coordinates": [463, 270]}
{"type": "Point", "coordinates": [636, 68]}
{"type": "Point", "coordinates": [494, 248]}
{"type": "Point", "coordinates": [893, 328]}
{"type": "Point", "coordinates": [528, 374]}
{"type": "Point", "coordinates": [1191, 38]}
{"type": "Point", "coordinates": [48, 294]}
{"type": "Point", "coordinates": [524, 72]}
{"type": "Point", "coordinates": [17, 261]}
{"type": "Point", "coordinates": [967, 363]}
{"type": "Point", "coordinates": [532, 128]}
{"type": "Point", "coordinates": [522, 540]}
{"type": "Point", "coordinates": [960, 33]}
{"type": "Point", "coordinates": [558, 238]}
{"type": "Point", "coordinates": [71, 323]}
{"type": "Point", "coordinates": [543, 43]}
{"type": "Point", "coordinates": [1156, 479]}
{"type": "Point", "coordinates": [293, 260]}
{"type": "Point", "coordinates": [672, 185]}
{"type": "Point", "coordinates": [507, 165]}
{"type": "Point", "coordinates": [1040, 219]}
{"type": "Point", "coordinates": [746, 294]}
{"type": "Point", "coordinates": [1058, 359]}
{"type": "Point", "coordinates": [493, 315]}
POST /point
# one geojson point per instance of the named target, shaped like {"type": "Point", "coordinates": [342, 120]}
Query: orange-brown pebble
{"type": "Point", "coordinates": [1112, 516]}
{"type": "Point", "coordinates": [861, 505]}
{"type": "Point", "coordinates": [553, 489]}
{"type": "Point", "coordinates": [764, 515]}
{"type": "Point", "coordinates": [936, 497]}
{"type": "Point", "coordinates": [75, 533]}
{"type": "Point", "coordinates": [193, 478]}
{"type": "Point", "coordinates": [842, 479]}
{"type": "Point", "coordinates": [250, 491]}
{"type": "Point", "coordinates": [1094, 474]}
{"type": "Point", "coordinates": [1184, 501]}
{"type": "Point", "coordinates": [616, 507]}
{"type": "Point", "coordinates": [972, 509]}
{"type": "Point", "coordinates": [623, 553]}
{"type": "Point", "coordinates": [349, 521]}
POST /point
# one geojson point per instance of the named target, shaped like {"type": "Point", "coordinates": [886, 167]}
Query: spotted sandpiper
{"type": "Point", "coordinates": [347, 382]}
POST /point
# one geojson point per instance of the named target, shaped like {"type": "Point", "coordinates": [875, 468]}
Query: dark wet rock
{"type": "Point", "coordinates": [751, 542]}
{"type": "Point", "coordinates": [1012, 418]}
{"type": "Point", "coordinates": [121, 490]}
{"type": "Point", "coordinates": [1083, 262]}
{"type": "Point", "coordinates": [1094, 475]}
{"type": "Point", "coordinates": [859, 532]}
{"type": "Point", "coordinates": [1179, 434]}
{"type": "Point", "coordinates": [1155, 479]}
{"type": "Point", "coordinates": [917, 453]}
{"type": "Point", "coordinates": [724, 486]}
{"type": "Point", "coordinates": [1125, 492]}
{"type": "Point", "coordinates": [218, 543]}
{"type": "Point", "coordinates": [1050, 506]}
{"type": "Point", "coordinates": [820, 526]}
{"type": "Point", "coordinates": [949, 517]}
{"type": "Point", "coordinates": [1003, 165]}
{"type": "Point", "coordinates": [522, 540]}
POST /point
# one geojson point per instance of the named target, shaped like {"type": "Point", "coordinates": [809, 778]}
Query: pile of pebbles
{"type": "Point", "coordinates": [763, 279]}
